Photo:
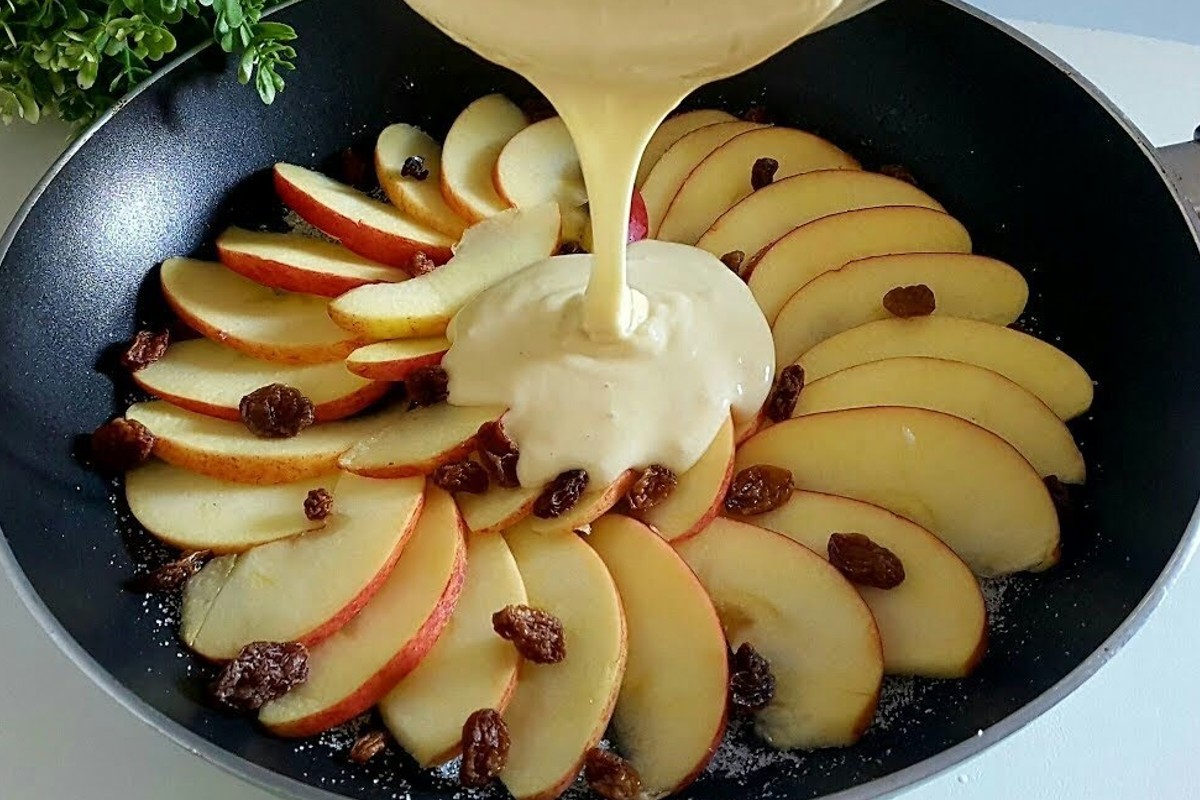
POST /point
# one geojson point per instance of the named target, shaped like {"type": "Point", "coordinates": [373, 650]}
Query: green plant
{"type": "Point", "coordinates": [75, 58]}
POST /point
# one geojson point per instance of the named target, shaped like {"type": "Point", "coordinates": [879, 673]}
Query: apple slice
{"type": "Point", "coordinates": [421, 198]}
{"type": "Point", "coordinates": [296, 263]}
{"type": "Point", "coordinates": [469, 668]}
{"type": "Point", "coordinates": [355, 667]}
{"type": "Point", "coordinates": [469, 155]}
{"type": "Point", "coordinates": [968, 486]}
{"type": "Point", "coordinates": [963, 390]}
{"type": "Point", "coordinates": [807, 620]}
{"type": "Point", "coordinates": [831, 242]}
{"type": "Point", "coordinates": [419, 442]}
{"type": "Point", "coordinates": [966, 286]}
{"type": "Point", "coordinates": [700, 493]}
{"type": "Point", "coordinates": [723, 178]}
{"type": "Point", "coordinates": [207, 378]}
{"type": "Point", "coordinates": [1052, 375]}
{"type": "Point", "coordinates": [227, 450]}
{"type": "Point", "coordinates": [594, 504]}
{"type": "Point", "coordinates": [370, 228]}
{"type": "Point", "coordinates": [396, 360]}
{"type": "Point", "coordinates": [196, 512]}
{"type": "Point", "coordinates": [671, 131]}
{"type": "Point", "coordinates": [260, 322]}
{"type": "Point", "coordinates": [934, 624]}
{"type": "Point", "coordinates": [765, 215]}
{"type": "Point", "coordinates": [672, 169]}
{"type": "Point", "coordinates": [539, 165]}
{"type": "Point", "coordinates": [488, 253]}
{"type": "Point", "coordinates": [560, 711]}
{"type": "Point", "coordinates": [671, 711]}
{"type": "Point", "coordinates": [268, 593]}
{"type": "Point", "coordinates": [497, 509]}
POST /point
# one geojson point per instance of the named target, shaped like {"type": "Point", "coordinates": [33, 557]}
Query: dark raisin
{"type": "Point", "coordinates": [899, 172]}
{"type": "Point", "coordinates": [759, 115]}
{"type": "Point", "coordinates": [786, 393]}
{"type": "Point", "coordinates": [652, 487]}
{"type": "Point", "coordinates": [427, 386]}
{"type": "Point", "coordinates": [735, 260]}
{"type": "Point", "coordinates": [461, 476]}
{"type": "Point", "coordinates": [763, 173]}
{"type": "Point", "coordinates": [276, 411]}
{"type": "Point", "coordinates": [498, 453]}
{"type": "Point", "coordinates": [368, 746]}
{"type": "Point", "coordinates": [262, 672]}
{"type": "Point", "coordinates": [414, 167]}
{"type": "Point", "coordinates": [561, 495]}
{"type": "Point", "coordinates": [121, 445]}
{"type": "Point", "coordinates": [356, 169]}
{"type": "Point", "coordinates": [910, 301]}
{"type": "Point", "coordinates": [611, 776]}
{"type": "Point", "coordinates": [864, 562]}
{"type": "Point", "coordinates": [485, 746]}
{"type": "Point", "coordinates": [421, 264]}
{"type": "Point", "coordinates": [538, 636]}
{"type": "Point", "coordinates": [172, 576]}
{"type": "Point", "coordinates": [759, 489]}
{"type": "Point", "coordinates": [571, 248]}
{"type": "Point", "coordinates": [146, 348]}
{"type": "Point", "coordinates": [751, 682]}
{"type": "Point", "coordinates": [318, 505]}
{"type": "Point", "coordinates": [1059, 493]}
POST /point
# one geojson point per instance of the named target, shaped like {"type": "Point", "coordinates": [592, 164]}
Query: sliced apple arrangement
{"type": "Point", "coordinates": [910, 445]}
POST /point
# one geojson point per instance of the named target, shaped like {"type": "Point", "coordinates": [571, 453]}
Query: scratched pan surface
{"type": "Point", "coordinates": [1043, 174]}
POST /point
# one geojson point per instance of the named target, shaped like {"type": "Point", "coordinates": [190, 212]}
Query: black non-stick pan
{"type": "Point", "coordinates": [1044, 173]}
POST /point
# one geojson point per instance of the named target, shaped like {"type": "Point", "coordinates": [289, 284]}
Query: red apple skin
{"type": "Point", "coordinates": [285, 277]}
{"type": "Point", "coordinates": [394, 370]}
{"type": "Point", "coordinates": [396, 668]}
{"type": "Point", "coordinates": [335, 409]}
{"type": "Point", "coordinates": [367, 241]}
{"type": "Point", "coordinates": [639, 219]}
{"type": "Point", "coordinates": [455, 453]}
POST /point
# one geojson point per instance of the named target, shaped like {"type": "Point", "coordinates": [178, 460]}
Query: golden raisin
{"type": "Point", "coordinates": [759, 489]}
{"type": "Point", "coordinates": [735, 260]}
{"type": "Point", "coordinates": [146, 348]}
{"type": "Point", "coordinates": [461, 476]}
{"type": "Point", "coordinates": [786, 393]}
{"type": "Point", "coordinates": [561, 495]}
{"type": "Point", "coordinates": [762, 174]}
{"type": "Point", "coordinates": [652, 487]}
{"type": "Point", "coordinates": [864, 562]}
{"type": "Point", "coordinates": [276, 411]}
{"type": "Point", "coordinates": [421, 264]}
{"type": "Point", "coordinates": [751, 682]}
{"type": "Point", "coordinates": [427, 386]}
{"type": "Point", "coordinates": [611, 776]}
{"type": "Point", "coordinates": [498, 453]}
{"type": "Point", "coordinates": [368, 746]}
{"type": "Point", "coordinates": [318, 505]}
{"type": "Point", "coordinates": [906, 302]}
{"type": "Point", "coordinates": [537, 635]}
{"type": "Point", "coordinates": [172, 576]}
{"type": "Point", "coordinates": [485, 746]}
{"type": "Point", "coordinates": [121, 445]}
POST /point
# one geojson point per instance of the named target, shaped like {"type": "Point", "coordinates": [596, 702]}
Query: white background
{"type": "Point", "coordinates": [1131, 732]}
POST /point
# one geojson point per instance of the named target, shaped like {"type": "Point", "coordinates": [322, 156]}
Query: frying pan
{"type": "Point", "coordinates": [1045, 174]}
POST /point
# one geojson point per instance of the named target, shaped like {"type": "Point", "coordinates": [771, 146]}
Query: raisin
{"type": "Point", "coordinates": [276, 411]}
{"type": "Point", "coordinates": [864, 562]}
{"type": "Point", "coordinates": [318, 505]}
{"type": "Point", "coordinates": [910, 301]}
{"type": "Point", "coordinates": [1058, 493]}
{"type": "Point", "coordinates": [421, 264]}
{"type": "Point", "coordinates": [786, 393]}
{"type": "Point", "coordinates": [146, 348]}
{"type": "Point", "coordinates": [652, 487]}
{"type": "Point", "coordinates": [355, 168]}
{"type": "Point", "coordinates": [763, 173]}
{"type": "Point", "coordinates": [561, 495]}
{"type": "Point", "coordinates": [368, 746]}
{"type": "Point", "coordinates": [121, 445]}
{"type": "Point", "coordinates": [498, 453]}
{"type": "Point", "coordinates": [899, 172]}
{"type": "Point", "coordinates": [751, 682]}
{"type": "Point", "coordinates": [414, 167]}
{"type": "Point", "coordinates": [735, 260]}
{"type": "Point", "coordinates": [427, 386]}
{"type": "Point", "coordinates": [759, 489]}
{"type": "Point", "coordinates": [537, 635]}
{"type": "Point", "coordinates": [759, 115]}
{"type": "Point", "coordinates": [172, 576]}
{"type": "Point", "coordinates": [461, 476]}
{"type": "Point", "coordinates": [571, 248]}
{"type": "Point", "coordinates": [485, 746]}
{"type": "Point", "coordinates": [611, 776]}
{"type": "Point", "coordinates": [262, 672]}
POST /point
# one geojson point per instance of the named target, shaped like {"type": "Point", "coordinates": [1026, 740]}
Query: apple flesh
{"type": "Point", "coordinates": [963, 483]}
{"type": "Point", "coordinates": [497, 509]}
{"type": "Point", "coordinates": [419, 442]}
{"type": "Point", "coordinates": [294, 263]}
{"type": "Point", "coordinates": [469, 668]}
{"type": "Point", "coordinates": [700, 492]}
{"type": "Point", "coordinates": [207, 378]}
{"type": "Point", "coordinates": [671, 712]}
{"type": "Point", "coordinates": [266, 594]}
{"type": "Point", "coordinates": [234, 311]}
{"type": "Point", "coordinates": [560, 711]}
{"type": "Point", "coordinates": [470, 152]}
{"type": "Point", "coordinates": [351, 670]}
{"type": "Point", "coordinates": [1050, 374]}
{"type": "Point", "coordinates": [964, 390]}
{"type": "Point", "coordinates": [594, 504]}
{"type": "Point", "coordinates": [396, 360]}
{"type": "Point", "coordinates": [671, 131]}
{"type": "Point", "coordinates": [967, 286]}
{"type": "Point", "coordinates": [934, 624]}
{"type": "Point", "coordinates": [420, 198]}
{"type": "Point", "coordinates": [374, 230]}
{"type": "Point", "coordinates": [723, 177]}
{"type": "Point", "coordinates": [810, 624]}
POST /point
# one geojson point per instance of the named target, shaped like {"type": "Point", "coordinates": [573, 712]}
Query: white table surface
{"type": "Point", "coordinates": [1132, 731]}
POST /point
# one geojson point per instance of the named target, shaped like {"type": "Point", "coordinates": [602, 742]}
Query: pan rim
{"type": "Point", "coordinates": [888, 786]}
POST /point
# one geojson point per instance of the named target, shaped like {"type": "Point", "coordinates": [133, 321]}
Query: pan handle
{"type": "Point", "coordinates": [1183, 164]}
